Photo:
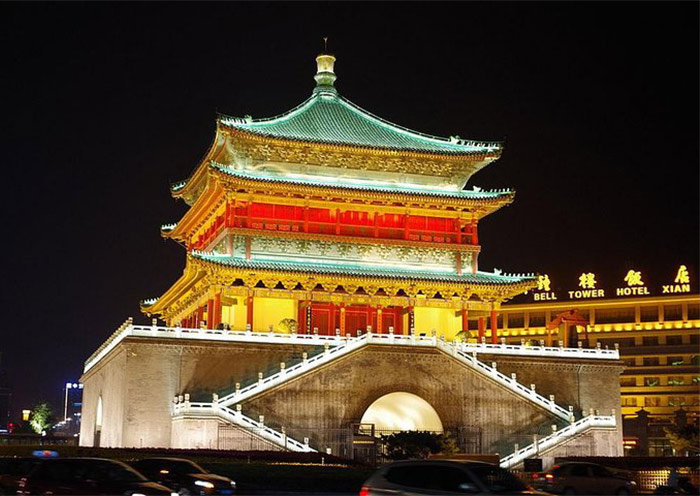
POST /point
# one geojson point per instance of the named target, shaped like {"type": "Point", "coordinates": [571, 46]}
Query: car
{"type": "Point", "coordinates": [12, 470]}
{"type": "Point", "coordinates": [184, 476]}
{"type": "Point", "coordinates": [82, 476]}
{"type": "Point", "coordinates": [443, 477]}
{"type": "Point", "coordinates": [583, 478]}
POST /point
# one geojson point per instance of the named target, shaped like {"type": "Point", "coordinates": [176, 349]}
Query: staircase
{"type": "Point", "coordinates": [558, 438]}
{"type": "Point", "coordinates": [221, 407]}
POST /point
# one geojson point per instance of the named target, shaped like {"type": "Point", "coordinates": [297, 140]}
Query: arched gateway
{"type": "Point", "coordinates": [402, 411]}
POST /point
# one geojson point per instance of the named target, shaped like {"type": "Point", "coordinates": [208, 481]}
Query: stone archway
{"type": "Point", "coordinates": [402, 411]}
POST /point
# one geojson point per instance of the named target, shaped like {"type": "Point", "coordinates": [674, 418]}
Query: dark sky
{"type": "Point", "coordinates": [103, 105]}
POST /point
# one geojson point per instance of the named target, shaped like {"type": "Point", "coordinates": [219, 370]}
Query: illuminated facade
{"type": "Point", "coordinates": [328, 249]}
{"type": "Point", "coordinates": [327, 219]}
{"type": "Point", "coordinates": [658, 336]}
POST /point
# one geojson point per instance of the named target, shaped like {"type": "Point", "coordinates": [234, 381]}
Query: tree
{"type": "Point", "coordinates": [417, 444]}
{"type": "Point", "coordinates": [288, 325]}
{"type": "Point", "coordinates": [42, 418]}
{"type": "Point", "coordinates": [684, 439]}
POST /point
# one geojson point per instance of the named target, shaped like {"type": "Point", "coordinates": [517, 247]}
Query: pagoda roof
{"type": "Point", "coordinates": [484, 278]}
{"type": "Point", "coordinates": [327, 117]}
{"type": "Point", "coordinates": [345, 184]}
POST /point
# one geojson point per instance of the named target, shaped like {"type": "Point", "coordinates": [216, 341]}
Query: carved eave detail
{"type": "Point", "coordinates": [264, 148]}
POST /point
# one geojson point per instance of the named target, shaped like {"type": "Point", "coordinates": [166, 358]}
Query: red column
{"type": "Point", "coordinates": [337, 221]}
{"type": "Point", "coordinates": [301, 317]}
{"type": "Point", "coordinates": [376, 224]}
{"type": "Point", "coordinates": [342, 319]}
{"type": "Point", "coordinates": [379, 319]}
{"type": "Point", "coordinates": [200, 316]}
{"type": "Point", "coordinates": [249, 215]}
{"type": "Point", "coordinates": [306, 219]}
{"type": "Point", "coordinates": [494, 326]}
{"type": "Point", "coordinates": [210, 313]}
{"type": "Point", "coordinates": [465, 320]}
{"type": "Point", "coordinates": [217, 310]}
{"type": "Point", "coordinates": [406, 218]}
{"type": "Point", "coordinates": [249, 309]}
{"type": "Point", "coordinates": [482, 328]}
{"type": "Point", "coordinates": [475, 235]}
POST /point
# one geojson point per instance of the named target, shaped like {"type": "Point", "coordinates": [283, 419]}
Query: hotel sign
{"type": "Point", "coordinates": [587, 283]}
{"type": "Point", "coordinates": [635, 285]}
{"type": "Point", "coordinates": [633, 282]}
{"type": "Point", "coordinates": [681, 284]}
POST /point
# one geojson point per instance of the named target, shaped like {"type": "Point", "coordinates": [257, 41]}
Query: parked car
{"type": "Point", "coordinates": [583, 478]}
{"type": "Point", "coordinates": [443, 477]}
{"type": "Point", "coordinates": [82, 476]}
{"type": "Point", "coordinates": [184, 476]}
{"type": "Point", "coordinates": [11, 472]}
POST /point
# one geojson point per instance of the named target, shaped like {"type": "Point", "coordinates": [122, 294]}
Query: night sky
{"type": "Point", "coordinates": [104, 105]}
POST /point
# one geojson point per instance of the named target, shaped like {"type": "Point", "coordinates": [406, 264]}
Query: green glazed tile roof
{"type": "Point", "coordinates": [327, 117]}
{"type": "Point", "coordinates": [320, 268]}
{"type": "Point", "coordinates": [476, 194]}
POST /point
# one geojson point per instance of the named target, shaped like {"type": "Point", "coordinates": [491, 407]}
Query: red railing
{"type": "Point", "coordinates": [285, 218]}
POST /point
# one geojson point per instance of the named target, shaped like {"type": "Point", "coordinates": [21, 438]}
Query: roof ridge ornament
{"type": "Point", "coordinates": [325, 76]}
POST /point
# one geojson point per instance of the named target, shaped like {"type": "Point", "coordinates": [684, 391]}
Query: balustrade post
{"type": "Point", "coordinates": [261, 419]}
{"type": "Point", "coordinates": [554, 428]}
{"type": "Point", "coordinates": [326, 348]}
{"type": "Point", "coordinates": [533, 388]}
{"type": "Point", "coordinates": [238, 390]}
{"type": "Point", "coordinates": [282, 368]}
{"type": "Point", "coordinates": [514, 376]}
{"type": "Point", "coordinates": [304, 357]}
{"type": "Point", "coordinates": [551, 398]}
{"type": "Point", "coordinates": [238, 413]}
{"type": "Point", "coordinates": [260, 378]}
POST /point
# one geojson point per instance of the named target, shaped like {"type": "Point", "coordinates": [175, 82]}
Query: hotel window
{"type": "Point", "coordinates": [674, 360]}
{"type": "Point", "coordinates": [673, 312]}
{"type": "Point", "coordinates": [614, 315]}
{"type": "Point", "coordinates": [695, 379]}
{"type": "Point", "coordinates": [652, 381]}
{"type": "Point", "coordinates": [693, 311]}
{"type": "Point", "coordinates": [536, 320]}
{"type": "Point", "coordinates": [628, 381]}
{"type": "Point", "coordinates": [650, 361]}
{"type": "Point", "coordinates": [675, 381]}
{"type": "Point", "coordinates": [695, 359]}
{"type": "Point", "coordinates": [650, 340]}
{"type": "Point", "coordinates": [610, 342]}
{"type": "Point", "coordinates": [674, 339]}
{"type": "Point", "coordinates": [515, 321]}
{"type": "Point", "coordinates": [695, 339]}
{"type": "Point", "coordinates": [676, 400]}
{"type": "Point", "coordinates": [649, 314]}
{"type": "Point", "coordinates": [630, 362]}
{"type": "Point", "coordinates": [652, 401]}
{"type": "Point", "coordinates": [627, 401]}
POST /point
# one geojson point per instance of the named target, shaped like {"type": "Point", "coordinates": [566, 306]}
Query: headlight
{"type": "Point", "coordinates": [233, 484]}
{"type": "Point", "coordinates": [206, 484]}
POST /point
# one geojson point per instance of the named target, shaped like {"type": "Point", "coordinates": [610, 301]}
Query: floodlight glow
{"type": "Point", "coordinates": [402, 412]}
